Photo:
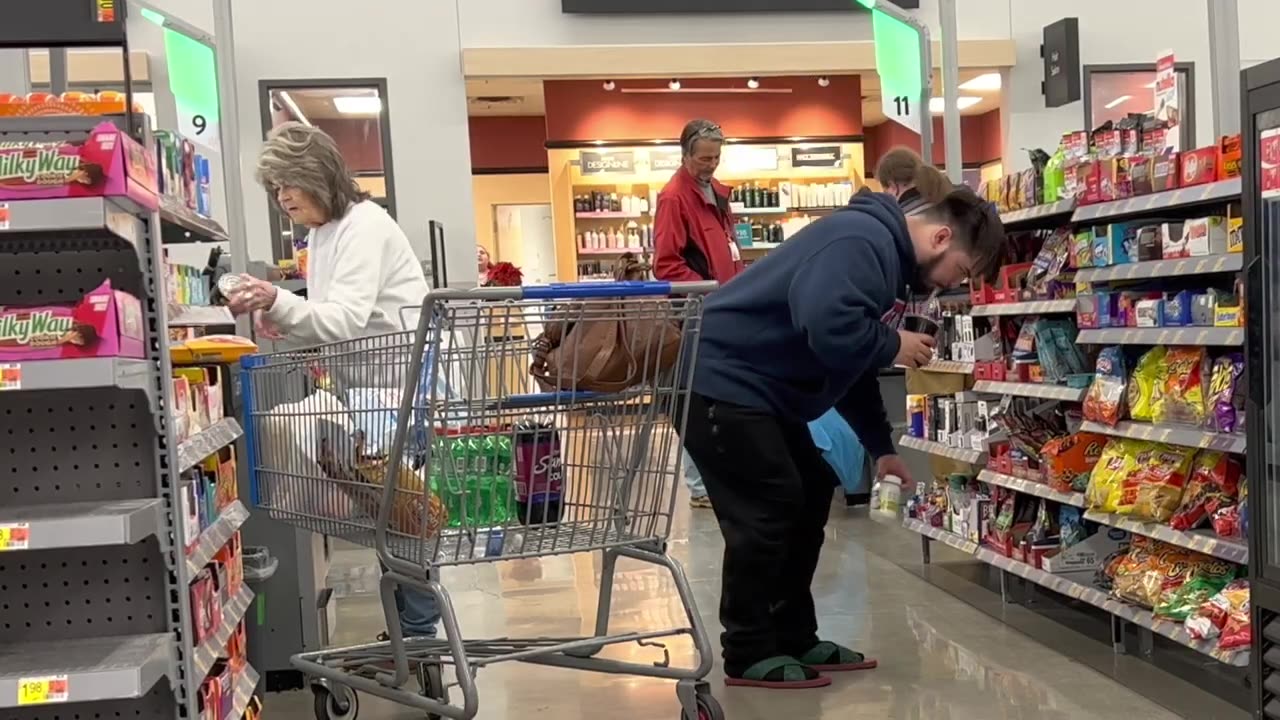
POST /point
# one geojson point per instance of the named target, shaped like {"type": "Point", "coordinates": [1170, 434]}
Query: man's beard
{"type": "Point", "coordinates": [924, 271]}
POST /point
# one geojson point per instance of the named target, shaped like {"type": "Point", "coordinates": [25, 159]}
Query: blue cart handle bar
{"type": "Point", "coordinates": [586, 290]}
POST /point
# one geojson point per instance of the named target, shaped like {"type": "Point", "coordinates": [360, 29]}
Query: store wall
{"type": "Point", "coordinates": [418, 54]}
{"type": "Point", "coordinates": [582, 110]}
{"type": "Point", "coordinates": [490, 191]}
{"type": "Point", "coordinates": [508, 143]}
{"type": "Point", "coordinates": [980, 140]}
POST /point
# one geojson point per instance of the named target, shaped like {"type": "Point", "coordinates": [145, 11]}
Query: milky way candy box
{"type": "Point", "coordinates": [106, 323]}
{"type": "Point", "coordinates": [107, 163]}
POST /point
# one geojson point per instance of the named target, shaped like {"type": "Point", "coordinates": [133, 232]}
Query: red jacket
{"type": "Point", "coordinates": [693, 238]}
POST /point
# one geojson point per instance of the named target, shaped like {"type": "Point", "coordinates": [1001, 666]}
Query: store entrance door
{"type": "Point", "coordinates": [525, 237]}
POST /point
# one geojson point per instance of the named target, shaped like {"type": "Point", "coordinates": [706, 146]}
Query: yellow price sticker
{"type": "Point", "coordinates": [15, 536]}
{"type": "Point", "coordinates": [42, 690]}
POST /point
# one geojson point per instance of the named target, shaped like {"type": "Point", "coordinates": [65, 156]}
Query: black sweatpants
{"type": "Point", "coordinates": [771, 492]}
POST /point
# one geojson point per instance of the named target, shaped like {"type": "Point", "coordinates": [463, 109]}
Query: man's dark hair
{"type": "Point", "coordinates": [976, 228]}
{"type": "Point", "coordinates": [696, 130]}
{"type": "Point", "coordinates": [898, 167]}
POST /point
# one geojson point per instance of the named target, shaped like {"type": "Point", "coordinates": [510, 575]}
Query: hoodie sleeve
{"type": "Point", "coordinates": [835, 301]}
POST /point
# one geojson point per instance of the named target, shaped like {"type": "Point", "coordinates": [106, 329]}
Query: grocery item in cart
{"type": "Point", "coordinates": [415, 511]}
{"type": "Point", "coordinates": [539, 473]}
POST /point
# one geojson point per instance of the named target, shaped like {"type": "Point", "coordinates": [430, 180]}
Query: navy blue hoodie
{"type": "Point", "coordinates": [807, 328]}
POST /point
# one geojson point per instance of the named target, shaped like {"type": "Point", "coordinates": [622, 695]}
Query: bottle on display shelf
{"type": "Point", "coordinates": [774, 200]}
{"type": "Point", "coordinates": [615, 205]}
{"type": "Point", "coordinates": [644, 205]}
{"type": "Point", "coordinates": [626, 204]}
{"type": "Point", "coordinates": [581, 241]}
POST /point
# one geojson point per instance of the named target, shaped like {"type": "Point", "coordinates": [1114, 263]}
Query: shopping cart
{"type": "Point", "coordinates": [437, 447]}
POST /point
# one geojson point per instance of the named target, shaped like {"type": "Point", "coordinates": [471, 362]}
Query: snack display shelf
{"type": "Point", "coordinates": [213, 646]}
{"type": "Point", "coordinates": [215, 536]}
{"type": "Point", "coordinates": [1031, 487]}
{"type": "Point", "coordinates": [1039, 212]}
{"type": "Point", "coordinates": [1070, 587]}
{"type": "Point", "coordinates": [76, 525]}
{"type": "Point", "coordinates": [1031, 307]}
{"type": "Point", "coordinates": [183, 225]}
{"type": "Point", "coordinates": [949, 366]}
{"type": "Point", "coordinates": [114, 215]}
{"type": "Point", "coordinates": [1207, 265]}
{"type": "Point", "coordinates": [77, 373]}
{"type": "Point", "coordinates": [611, 251]}
{"type": "Point", "coordinates": [1035, 390]}
{"type": "Point", "coordinates": [973, 457]}
{"type": "Point", "coordinates": [1202, 541]}
{"type": "Point", "coordinates": [85, 670]}
{"type": "Point", "coordinates": [200, 316]}
{"type": "Point", "coordinates": [1224, 336]}
{"type": "Point", "coordinates": [1170, 434]}
{"type": "Point", "coordinates": [1158, 202]}
{"type": "Point", "coordinates": [967, 547]}
{"type": "Point", "coordinates": [207, 442]}
{"type": "Point", "coordinates": [246, 683]}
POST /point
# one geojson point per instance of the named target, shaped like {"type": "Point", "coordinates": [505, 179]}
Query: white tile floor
{"type": "Point", "coordinates": [940, 658]}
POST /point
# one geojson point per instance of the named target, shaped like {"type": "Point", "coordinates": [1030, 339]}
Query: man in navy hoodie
{"type": "Point", "coordinates": [804, 330]}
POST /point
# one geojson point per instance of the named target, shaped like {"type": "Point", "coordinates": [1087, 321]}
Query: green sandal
{"type": "Point", "coordinates": [781, 672]}
{"type": "Point", "coordinates": [830, 657]}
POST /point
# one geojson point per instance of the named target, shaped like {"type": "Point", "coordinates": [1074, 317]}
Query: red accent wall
{"type": "Point", "coordinates": [980, 140]}
{"type": "Point", "coordinates": [359, 140]}
{"type": "Point", "coordinates": [582, 110]}
{"type": "Point", "coordinates": [508, 142]}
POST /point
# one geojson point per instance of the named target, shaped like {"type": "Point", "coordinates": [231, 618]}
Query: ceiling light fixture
{"type": "Point", "coordinates": [936, 104]}
{"type": "Point", "coordinates": [296, 111]}
{"type": "Point", "coordinates": [358, 104]}
{"type": "Point", "coordinates": [753, 83]}
{"type": "Point", "coordinates": [609, 85]}
{"type": "Point", "coordinates": [986, 81]}
{"type": "Point", "coordinates": [1151, 85]}
{"type": "Point", "coordinates": [1118, 101]}
{"type": "Point", "coordinates": [824, 81]}
{"type": "Point", "coordinates": [674, 84]}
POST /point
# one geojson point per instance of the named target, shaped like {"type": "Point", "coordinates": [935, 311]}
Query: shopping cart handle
{"type": "Point", "coordinates": [568, 291]}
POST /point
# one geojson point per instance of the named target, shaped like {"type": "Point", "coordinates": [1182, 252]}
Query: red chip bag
{"type": "Point", "coordinates": [1226, 521]}
{"type": "Point", "coordinates": [1214, 483]}
{"type": "Point", "coordinates": [1238, 631]}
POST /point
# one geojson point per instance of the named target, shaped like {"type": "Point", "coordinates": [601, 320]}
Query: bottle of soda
{"type": "Point", "coordinates": [539, 476]}
{"type": "Point", "coordinates": [499, 464]}
{"type": "Point", "coordinates": [478, 482]}
{"type": "Point", "coordinates": [443, 481]}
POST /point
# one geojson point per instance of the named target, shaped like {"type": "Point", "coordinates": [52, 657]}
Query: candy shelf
{"type": "Point", "coordinates": [1039, 213]}
{"type": "Point", "coordinates": [1035, 390]}
{"type": "Point", "coordinates": [1031, 487]}
{"type": "Point", "coordinates": [1183, 436]}
{"type": "Point", "coordinates": [214, 645]}
{"type": "Point", "coordinates": [949, 366]}
{"type": "Point", "coordinates": [83, 524]}
{"type": "Point", "coordinates": [1159, 202]}
{"type": "Point", "coordinates": [77, 373]}
{"type": "Point", "coordinates": [1203, 541]}
{"type": "Point", "coordinates": [967, 547]}
{"type": "Point", "coordinates": [182, 225]}
{"type": "Point", "coordinates": [1223, 336]}
{"type": "Point", "coordinates": [215, 536]}
{"type": "Point", "coordinates": [1070, 587]}
{"type": "Point", "coordinates": [89, 670]}
{"type": "Point", "coordinates": [973, 457]}
{"type": "Point", "coordinates": [1031, 307]}
{"type": "Point", "coordinates": [1231, 262]}
{"type": "Point", "coordinates": [207, 442]}
{"type": "Point", "coordinates": [117, 216]}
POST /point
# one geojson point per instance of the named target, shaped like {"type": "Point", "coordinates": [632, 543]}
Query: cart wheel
{"type": "Point", "coordinates": [342, 705]}
{"type": "Point", "coordinates": [431, 680]}
{"type": "Point", "coordinates": [708, 708]}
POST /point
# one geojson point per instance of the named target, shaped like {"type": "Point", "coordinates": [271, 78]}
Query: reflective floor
{"type": "Point", "coordinates": [940, 657]}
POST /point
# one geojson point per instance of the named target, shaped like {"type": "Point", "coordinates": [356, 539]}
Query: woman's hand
{"type": "Point", "coordinates": [252, 294]}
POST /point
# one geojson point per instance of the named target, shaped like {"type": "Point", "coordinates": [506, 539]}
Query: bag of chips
{"type": "Point", "coordinates": [1214, 483]}
{"type": "Point", "coordinates": [1067, 461]}
{"type": "Point", "coordinates": [1183, 602]}
{"type": "Point", "coordinates": [1226, 405]}
{"type": "Point", "coordinates": [1139, 577]}
{"type": "Point", "coordinates": [1107, 473]}
{"type": "Point", "coordinates": [1181, 397]}
{"type": "Point", "coordinates": [1124, 494]}
{"type": "Point", "coordinates": [1210, 618]}
{"type": "Point", "coordinates": [1226, 521]}
{"type": "Point", "coordinates": [1106, 398]}
{"type": "Point", "coordinates": [1148, 377]}
{"type": "Point", "coordinates": [1071, 529]}
{"type": "Point", "coordinates": [1157, 487]}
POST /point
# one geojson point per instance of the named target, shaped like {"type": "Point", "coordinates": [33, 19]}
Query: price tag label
{"type": "Point", "coordinates": [10, 376]}
{"type": "Point", "coordinates": [15, 536]}
{"type": "Point", "coordinates": [42, 690]}
{"type": "Point", "coordinates": [4, 216]}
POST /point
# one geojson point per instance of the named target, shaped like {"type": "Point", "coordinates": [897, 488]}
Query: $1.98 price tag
{"type": "Point", "coordinates": [15, 536]}
{"type": "Point", "coordinates": [42, 690]}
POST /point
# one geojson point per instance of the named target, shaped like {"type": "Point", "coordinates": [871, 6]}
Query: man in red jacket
{"type": "Point", "coordinates": [693, 234]}
{"type": "Point", "coordinates": [693, 230]}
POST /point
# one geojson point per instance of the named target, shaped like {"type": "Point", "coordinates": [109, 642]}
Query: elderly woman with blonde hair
{"type": "Point", "coordinates": [361, 274]}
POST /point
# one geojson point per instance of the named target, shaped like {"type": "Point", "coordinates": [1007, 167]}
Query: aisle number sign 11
{"type": "Point", "coordinates": [898, 65]}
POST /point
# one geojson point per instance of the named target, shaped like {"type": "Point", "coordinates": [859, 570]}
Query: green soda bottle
{"type": "Point", "coordinates": [478, 482]}
{"type": "Point", "coordinates": [454, 457]}
{"type": "Point", "coordinates": [497, 489]}
{"type": "Point", "coordinates": [503, 500]}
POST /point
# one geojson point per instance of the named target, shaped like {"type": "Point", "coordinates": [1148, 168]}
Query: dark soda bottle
{"type": "Point", "coordinates": [539, 473]}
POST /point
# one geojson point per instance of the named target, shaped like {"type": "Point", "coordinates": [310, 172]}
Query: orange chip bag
{"type": "Point", "coordinates": [1069, 460]}
{"type": "Point", "coordinates": [1159, 485]}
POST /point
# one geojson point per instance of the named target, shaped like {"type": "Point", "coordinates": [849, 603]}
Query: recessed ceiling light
{"type": "Point", "coordinates": [753, 83]}
{"type": "Point", "coordinates": [1118, 101]}
{"type": "Point", "coordinates": [358, 105]}
{"type": "Point", "coordinates": [610, 85]}
{"type": "Point", "coordinates": [964, 101]}
{"type": "Point", "coordinates": [674, 84]}
{"type": "Point", "coordinates": [987, 81]}
{"type": "Point", "coordinates": [824, 81]}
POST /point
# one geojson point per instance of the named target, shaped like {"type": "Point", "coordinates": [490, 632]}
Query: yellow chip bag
{"type": "Point", "coordinates": [1106, 474]}
{"type": "Point", "coordinates": [1148, 378]}
{"type": "Point", "coordinates": [1139, 455]}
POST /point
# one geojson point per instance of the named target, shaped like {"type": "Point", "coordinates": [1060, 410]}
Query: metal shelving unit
{"type": "Point", "coordinates": [1222, 336]}
{"type": "Point", "coordinates": [1035, 390]}
{"type": "Point", "coordinates": [1203, 541]}
{"type": "Point", "coordinates": [1206, 265]}
{"type": "Point", "coordinates": [92, 517]}
{"type": "Point", "coordinates": [1031, 307]}
{"type": "Point", "coordinates": [1031, 487]}
{"type": "Point", "coordinates": [973, 457]}
{"type": "Point", "coordinates": [1058, 211]}
{"type": "Point", "coordinates": [1182, 435]}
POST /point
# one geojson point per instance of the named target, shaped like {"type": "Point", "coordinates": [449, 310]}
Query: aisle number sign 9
{"type": "Point", "coordinates": [43, 690]}
{"type": "Point", "coordinates": [898, 65]}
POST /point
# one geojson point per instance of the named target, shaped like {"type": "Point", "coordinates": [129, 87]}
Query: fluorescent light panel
{"type": "Point", "coordinates": [988, 81]}
{"type": "Point", "coordinates": [1118, 101]}
{"type": "Point", "coordinates": [358, 104]}
{"type": "Point", "coordinates": [964, 101]}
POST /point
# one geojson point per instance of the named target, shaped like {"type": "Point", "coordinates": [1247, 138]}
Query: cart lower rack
{"type": "Point", "coordinates": [510, 423]}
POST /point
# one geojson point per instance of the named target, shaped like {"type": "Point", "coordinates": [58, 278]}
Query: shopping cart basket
{"type": "Point", "coordinates": [436, 447]}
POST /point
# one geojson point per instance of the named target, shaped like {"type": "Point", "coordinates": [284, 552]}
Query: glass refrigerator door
{"type": "Point", "coordinates": [1262, 205]}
